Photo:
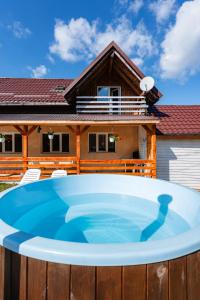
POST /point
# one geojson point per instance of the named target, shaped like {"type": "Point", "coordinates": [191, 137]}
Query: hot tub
{"type": "Point", "coordinates": [102, 236]}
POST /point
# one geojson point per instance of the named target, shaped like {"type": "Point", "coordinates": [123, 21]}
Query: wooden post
{"type": "Point", "coordinates": [148, 140]}
{"type": "Point", "coordinates": [148, 134]}
{"type": "Point", "coordinates": [78, 147]}
{"type": "Point", "coordinates": [153, 148]}
{"type": "Point", "coordinates": [25, 148]}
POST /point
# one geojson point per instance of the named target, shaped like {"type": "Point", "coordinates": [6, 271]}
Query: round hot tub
{"type": "Point", "coordinates": [102, 236]}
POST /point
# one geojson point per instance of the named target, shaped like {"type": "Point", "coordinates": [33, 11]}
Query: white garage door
{"type": "Point", "coordinates": [179, 161]}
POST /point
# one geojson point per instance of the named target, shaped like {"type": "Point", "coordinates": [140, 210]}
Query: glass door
{"type": "Point", "coordinates": [108, 92]}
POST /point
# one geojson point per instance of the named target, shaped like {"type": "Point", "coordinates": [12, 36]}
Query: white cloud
{"type": "Point", "coordinates": [123, 2]}
{"type": "Point", "coordinates": [181, 45]}
{"type": "Point", "coordinates": [138, 61]}
{"type": "Point", "coordinates": [135, 6]}
{"type": "Point", "coordinates": [38, 71]}
{"type": "Point", "coordinates": [50, 58]}
{"type": "Point", "coordinates": [19, 30]}
{"type": "Point", "coordinates": [162, 9]}
{"type": "Point", "coordinates": [81, 40]}
{"type": "Point", "coordinates": [73, 39]}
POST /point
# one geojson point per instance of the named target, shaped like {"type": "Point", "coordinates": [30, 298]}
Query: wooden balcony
{"type": "Point", "coordinates": [111, 105]}
{"type": "Point", "coordinates": [13, 168]}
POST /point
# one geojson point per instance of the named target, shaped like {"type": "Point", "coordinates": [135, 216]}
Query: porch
{"type": "Point", "coordinates": [79, 160]}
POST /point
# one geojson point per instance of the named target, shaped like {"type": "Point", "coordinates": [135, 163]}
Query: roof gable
{"type": "Point", "coordinates": [110, 51]}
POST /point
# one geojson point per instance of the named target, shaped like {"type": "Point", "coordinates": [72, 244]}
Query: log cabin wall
{"type": "Point", "coordinates": [103, 79]}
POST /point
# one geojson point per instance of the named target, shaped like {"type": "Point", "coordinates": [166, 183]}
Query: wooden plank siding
{"type": "Point", "coordinates": [179, 161]}
{"type": "Point", "coordinates": [27, 278]}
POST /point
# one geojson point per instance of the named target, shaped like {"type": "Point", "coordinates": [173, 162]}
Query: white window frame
{"type": "Point", "coordinates": [109, 87]}
{"type": "Point", "coordinates": [51, 142]}
{"type": "Point", "coordinates": [97, 142]}
{"type": "Point", "coordinates": [13, 142]}
{"type": "Point", "coordinates": [110, 99]}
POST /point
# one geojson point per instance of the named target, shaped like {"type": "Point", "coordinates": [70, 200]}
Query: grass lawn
{"type": "Point", "coordinates": [4, 186]}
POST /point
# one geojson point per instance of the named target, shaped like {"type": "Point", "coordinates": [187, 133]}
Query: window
{"type": "Point", "coordinates": [12, 144]}
{"type": "Point", "coordinates": [108, 91]}
{"type": "Point", "coordinates": [113, 92]}
{"type": "Point", "coordinates": [99, 142]}
{"type": "Point", "coordinates": [59, 143]}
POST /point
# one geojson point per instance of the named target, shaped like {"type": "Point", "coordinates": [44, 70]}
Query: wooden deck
{"type": "Point", "coordinates": [13, 168]}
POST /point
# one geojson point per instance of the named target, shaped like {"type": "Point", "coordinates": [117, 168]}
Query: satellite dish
{"type": "Point", "coordinates": [147, 83]}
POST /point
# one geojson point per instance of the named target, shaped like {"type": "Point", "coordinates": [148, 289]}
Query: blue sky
{"type": "Point", "coordinates": [48, 38]}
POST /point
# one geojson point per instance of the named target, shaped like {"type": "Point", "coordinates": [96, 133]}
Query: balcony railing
{"type": "Point", "coordinates": [111, 105]}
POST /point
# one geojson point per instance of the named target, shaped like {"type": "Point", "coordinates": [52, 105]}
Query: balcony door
{"type": "Point", "coordinates": [110, 93]}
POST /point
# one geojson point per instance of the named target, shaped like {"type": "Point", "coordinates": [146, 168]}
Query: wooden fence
{"type": "Point", "coordinates": [13, 168]}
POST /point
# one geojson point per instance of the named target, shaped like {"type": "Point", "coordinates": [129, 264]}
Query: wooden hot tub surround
{"type": "Point", "coordinates": [26, 278]}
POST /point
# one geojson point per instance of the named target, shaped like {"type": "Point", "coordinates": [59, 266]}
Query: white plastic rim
{"type": "Point", "coordinates": [186, 202]}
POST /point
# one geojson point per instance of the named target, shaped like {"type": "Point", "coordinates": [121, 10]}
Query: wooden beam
{"type": "Point", "coordinates": [32, 129]}
{"type": "Point", "coordinates": [25, 147]}
{"type": "Point", "coordinates": [127, 80]}
{"type": "Point", "coordinates": [95, 69]}
{"type": "Point", "coordinates": [148, 145]}
{"type": "Point", "coordinates": [78, 147]}
{"type": "Point", "coordinates": [18, 128]}
{"type": "Point", "coordinates": [110, 64]}
{"type": "Point", "coordinates": [81, 122]}
{"type": "Point", "coordinates": [84, 129]}
{"type": "Point", "coordinates": [147, 128]}
{"type": "Point", "coordinates": [153, 146]}
{"type": "Point", "coordinates": [71, 129]}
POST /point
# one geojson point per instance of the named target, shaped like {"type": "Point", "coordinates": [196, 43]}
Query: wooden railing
{"type": "Point", "coordinates": [49, 164]}
{"type": "Point", "coordinates": [111, 105]}
{"type": "Point", "coordinates": [137, 167]}
{"type": "Point", "coordinates": [13, 168]}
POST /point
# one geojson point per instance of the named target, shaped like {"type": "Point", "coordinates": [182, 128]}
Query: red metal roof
{"type": "Point", "coordinates": [178, 119]}
{"type": "Point", "coordinates": [14, 91]}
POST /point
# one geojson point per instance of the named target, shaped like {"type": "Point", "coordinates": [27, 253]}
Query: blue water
{"type": "Point", "coordinates": [98, 218]}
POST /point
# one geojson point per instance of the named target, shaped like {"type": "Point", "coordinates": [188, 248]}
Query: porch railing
{"type": "Point", "coordinates": [137, 167]}
{"type": "Point", "coordinates": [13, 168]}
{"type": "Point", "coordinates": [111, 105]}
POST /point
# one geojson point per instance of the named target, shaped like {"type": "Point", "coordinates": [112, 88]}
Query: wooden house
{"type": "Point", "coordinates": [100, 122]}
